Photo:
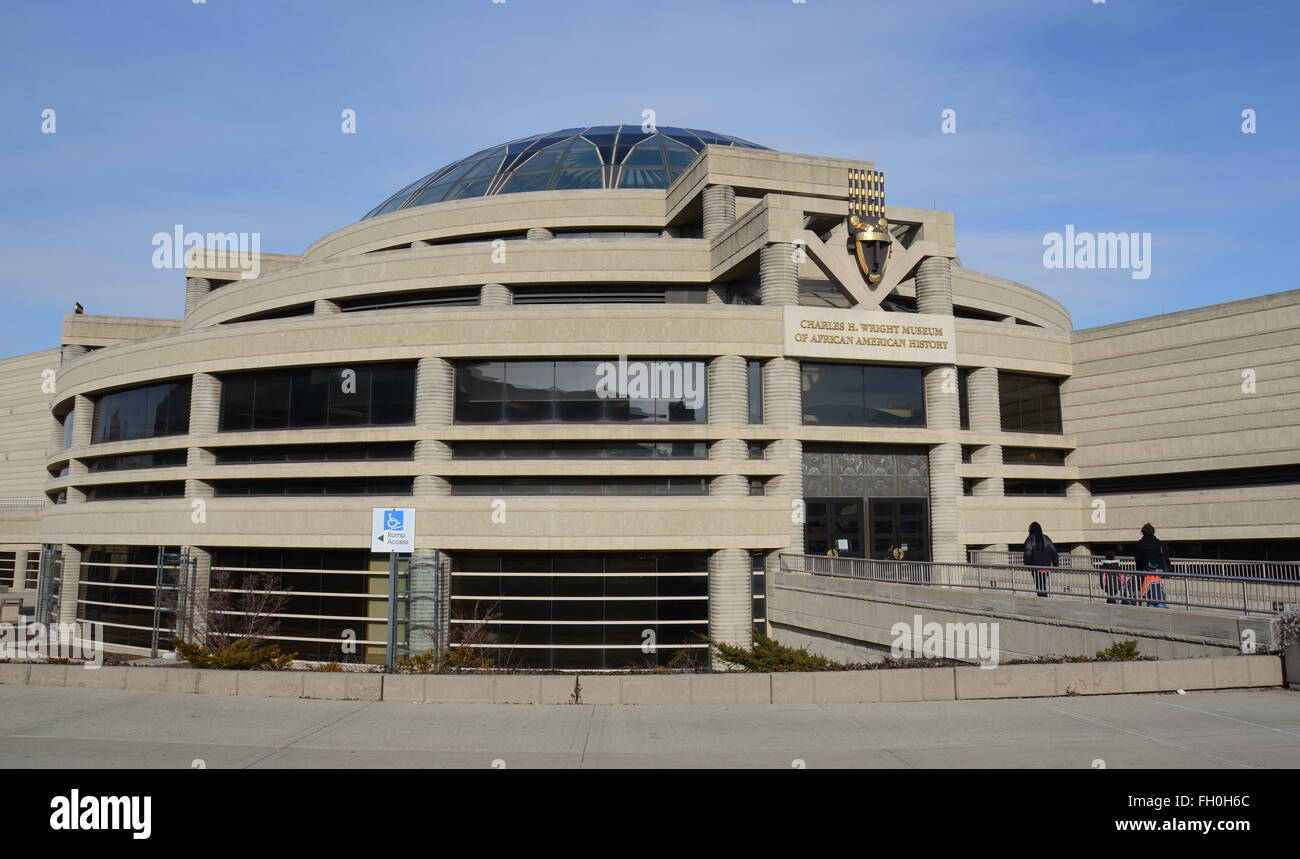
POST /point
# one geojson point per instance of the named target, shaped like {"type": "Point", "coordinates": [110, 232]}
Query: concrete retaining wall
{"type": "Point", "coordinates": [827, 687]}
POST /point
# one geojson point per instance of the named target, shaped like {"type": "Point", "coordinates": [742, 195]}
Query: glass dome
{"type": "Point", "coordinates": [602, 156]}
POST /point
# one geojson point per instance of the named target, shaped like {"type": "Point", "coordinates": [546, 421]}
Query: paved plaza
{"type": "Point", "coordinates": [72, 728]}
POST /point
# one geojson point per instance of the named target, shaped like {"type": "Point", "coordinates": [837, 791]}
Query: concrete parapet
{"type": "Point", "coordinates": [48, 675]}
{"type": "Point", "coordinates": [1008, 681]}
{"type": "Point", "coordinates": [402, 687]}
{"type": "Point", "coordinates": [884, 685]}
{"type": "Point", "coordinates": [453, 689]}
{"type": "Point", "coordinates": [654, 690]}
{"type": "Point", "coordinates": [14, 674]}
{"type": "Point", "coordinates": [517, 689]}
{"type": "Point", "coordinates": [104, 677]}
{"type": "Point", "coordinates": [269, 684]}
{"type": "Point", "coordinates": [343, 686]}
{"type": "Point", "coordinates": [846, 687]}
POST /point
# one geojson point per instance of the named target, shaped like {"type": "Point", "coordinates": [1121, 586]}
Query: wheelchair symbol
{"type": "Point", "coordinates": [393, 520]}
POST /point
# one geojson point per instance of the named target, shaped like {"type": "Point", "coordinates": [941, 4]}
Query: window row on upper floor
{"type": "Point", "coordinates": [565, 391]}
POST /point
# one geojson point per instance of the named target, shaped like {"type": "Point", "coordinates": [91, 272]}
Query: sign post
{"type": "Point", "coordinates": [392, 530]}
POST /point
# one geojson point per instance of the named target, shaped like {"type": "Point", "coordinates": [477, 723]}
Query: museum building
{"type": "Point", "coordinates": [617, 372]}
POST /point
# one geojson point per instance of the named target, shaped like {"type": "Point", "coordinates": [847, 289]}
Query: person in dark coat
{"type": "Point", "coordinates": [1149, 557]}
{"type": "Point", "coordinates": [1040, 553]}
{"type": "Point", "coordinates": [1149, 554]}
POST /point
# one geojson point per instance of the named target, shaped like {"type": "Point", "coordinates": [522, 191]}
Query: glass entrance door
{"type": "Point", "coordinates": [900, 528]}
{"type": "Point", "coordinates": [835, 523]}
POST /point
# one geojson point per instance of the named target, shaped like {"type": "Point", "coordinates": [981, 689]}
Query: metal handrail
{"type": "Point", "coordinates": [1247, 594]}
{"type": "Point", "coordinates": [1278, 570]}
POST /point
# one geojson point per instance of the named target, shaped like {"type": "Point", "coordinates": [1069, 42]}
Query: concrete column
{"type": "Point", "coordinates": [945, 486]}
{"type": "Point", "coordinates": [71, 353]}
{"type": "Point", "coordinates": [536, 234]}
{"type": "Point", "coordinates": [83, 420]}
{"type": "Point", "coordinates": [205, 417]}
{"type": "Point", "coordinates": [715, 294]}
{"type": "Point", "coordinates": [985, 417]}
{"type": "Point", "coordinates": [728, 391]}
{"type": "Point", "coordinates": [324, 307]}
{"type": "Point", "coordinates": [727, 408]}
{"type": "Point", "coordinates": [783, 409]}
{"type": "Point", "coordinates": [934, 286]}
{"type": "Point", "coordinates": [196, 289]}
{"type": "Point", "coordinates": [70, 584]}
{"type": "Point", "coordinates": [778, 274]}
{"type": "Point", "coordinates": [945, 489]}
{"type": "Point", "coordinates": [934, 295]}
{"type": "Point", "coordinates": [942, 410]}
{"type": "Point", "coordinates": [1077, 489]}
{"type": "Point", "coordinates": [419, 243]}
{"type": "Point", "coordinates": [1082, 551]}
{"type": "Point", "coordinates": [205, 404]}
{"type": "Point", "coordinates": [719, 209]}
{"type": "Point", "coordinates": [434, 407]}
{"type": "Point", "coordinates": [788, 453]}
{"type": "Point", "coordinates": [56, 435]}
{"type": "Point", "coordinates": [494, 295]}
{"type": "Point", "coordinates": [730, 602]}
{"type": "Point", "coordinates": [435, 381]}
{"type": "Point", "coordinates": [782, 393]}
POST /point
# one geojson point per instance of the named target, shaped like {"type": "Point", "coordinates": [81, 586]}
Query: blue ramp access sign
{"type": "Point", "coordinates": [392, 529]}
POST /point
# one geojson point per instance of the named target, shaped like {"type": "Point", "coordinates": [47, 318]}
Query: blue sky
{"type": "Point", "coordinates": [225, 116]}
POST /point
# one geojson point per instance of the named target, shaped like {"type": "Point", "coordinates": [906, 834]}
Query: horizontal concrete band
{"type": "Point", "coordinates": [829, 687]}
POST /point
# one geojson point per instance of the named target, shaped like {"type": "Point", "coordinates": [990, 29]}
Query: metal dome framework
{"type": "Point", "coordinates": [601, 156]}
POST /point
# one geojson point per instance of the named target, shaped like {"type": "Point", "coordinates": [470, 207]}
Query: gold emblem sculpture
{"type": "Point", "coordinates": [868, 228]}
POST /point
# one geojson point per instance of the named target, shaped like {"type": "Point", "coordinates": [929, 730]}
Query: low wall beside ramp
{"type": "Point", "coordinates": [884, 685]}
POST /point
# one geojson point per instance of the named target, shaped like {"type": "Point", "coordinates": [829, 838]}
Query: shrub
{"type": "Point", "coordinates": [428, 662]}
{"type": "Point", "coordinates": [239, 655]}
{"type": "Point", "coordinates": [1289, 628]}
{"type": "Point", "coordinates": [1120, 651]}
{"type": "Point", "coordinates": [329, 667]}
{"type": "Point", "coordinates": [768, 655]}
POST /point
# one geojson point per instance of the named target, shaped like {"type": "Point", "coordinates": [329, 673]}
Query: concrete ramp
{"type": "Point", "coordinates": [856, 620]}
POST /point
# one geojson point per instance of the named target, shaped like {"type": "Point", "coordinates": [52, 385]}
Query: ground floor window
{"type": "Point", "coordinates": [582, 610]}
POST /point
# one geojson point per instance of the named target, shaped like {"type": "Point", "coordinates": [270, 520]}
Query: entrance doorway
{"type": "Point", "coordinates": [893, 528]}
{"type": "Point", "coordinates": [900, 527]}
{"type": "Point", "coordinates": [835, 523]}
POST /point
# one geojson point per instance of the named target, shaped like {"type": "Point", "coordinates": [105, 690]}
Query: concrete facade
{"type": "Point", "coordinates": [765, 227]}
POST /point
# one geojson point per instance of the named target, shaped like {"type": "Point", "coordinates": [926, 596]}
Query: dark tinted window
{"type": "Point", "coordinates": [157, 459]}
{"type": "Point", "coordinates": [1029, 403]}
{"type": "Point", "coordinates": [755, 369]}
{"type": "Point", "coordinates": [358, 395]}
{"type": "Point", "coordinates": [119, 491]}
{"type": "Point", "coordinates": [863, 395]}
{"type": "Point", "coordinates": [145, 412]}
{"type": "Point", "coordinates": [661, 391]}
